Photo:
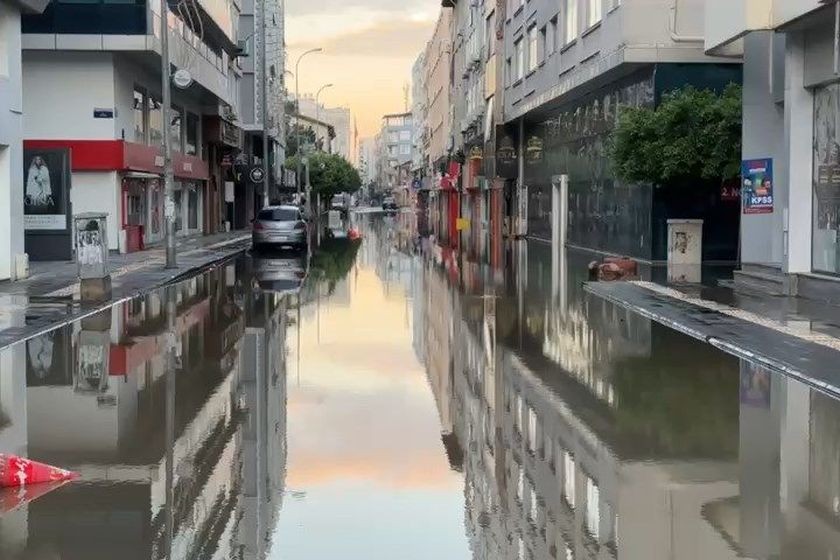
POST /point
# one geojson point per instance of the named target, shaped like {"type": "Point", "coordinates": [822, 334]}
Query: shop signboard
{"type": "Point", "coordinates": [757, 186]}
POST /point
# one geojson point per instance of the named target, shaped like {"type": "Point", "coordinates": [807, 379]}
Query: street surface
{"type": "Point", "coordinates": [385, 399]}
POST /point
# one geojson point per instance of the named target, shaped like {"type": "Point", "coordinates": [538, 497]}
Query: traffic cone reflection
{"type": "Point", "coordinates": [19, 471]}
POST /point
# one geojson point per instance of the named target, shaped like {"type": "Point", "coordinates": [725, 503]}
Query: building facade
{"type": "Point", "coordinates": [11, 135]}
{"type": "Point", "coordinates": [419, 107]}
{"type": "Point", "coordinates": [250, 93]}
{"type": "Point", "coordinates": [567, 69]}
{"type": "Point", "coordinates": [791, 111]}
{"type": "Point", "coordinates": [340, 118]}
{"type": "Point", "coordinates": [395, 150]}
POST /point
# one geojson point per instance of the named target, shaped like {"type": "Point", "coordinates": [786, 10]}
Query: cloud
{"type": "Point", "coordinates": [395, 39]}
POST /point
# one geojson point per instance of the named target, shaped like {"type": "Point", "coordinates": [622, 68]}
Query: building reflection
{"type": "Point", "coordinates": [202, 480]}
{"type": "Point", "coordinates": [584, 431]}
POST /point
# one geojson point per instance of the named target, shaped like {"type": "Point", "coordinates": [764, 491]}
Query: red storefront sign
{"type": "Point", "coordinates": [119, 155]}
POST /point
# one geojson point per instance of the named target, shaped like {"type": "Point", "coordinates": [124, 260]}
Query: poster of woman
{"type": "Point", "coordinates": [46, 184]}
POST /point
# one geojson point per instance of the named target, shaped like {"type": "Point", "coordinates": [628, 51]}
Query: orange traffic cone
{"type": "Point", "coordinates": [18, 471]}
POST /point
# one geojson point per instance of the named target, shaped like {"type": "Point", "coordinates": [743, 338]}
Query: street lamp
{"type": "Point", "coordinates": [297, 114]}
{"type": "Point", "coordinates": [318, 106]}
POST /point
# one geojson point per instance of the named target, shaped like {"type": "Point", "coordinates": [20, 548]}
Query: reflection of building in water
{"type": "Point", "coordinates": [555, 467]}
{"type": "Point", "coordinates": [113, 430]}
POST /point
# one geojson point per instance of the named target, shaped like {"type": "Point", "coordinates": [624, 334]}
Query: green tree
{"type": "Point", "coordinates": [307, 136]}
{"type": "Point", "coordinates": [329, 174]}
{"type": "Point", "coordinates": [693, 135]}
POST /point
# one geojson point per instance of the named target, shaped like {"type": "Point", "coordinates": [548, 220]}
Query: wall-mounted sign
{"type": "Point", "coordinates": [757, 186]}
{"type": "Point", "coordinates": [257, 174]}
{"type": "Point", "coordinates": [103, 113]}
{"type": "Point", "coordinates": [476, 153]}
{"type": "Point", "coordinates": [534, 149]}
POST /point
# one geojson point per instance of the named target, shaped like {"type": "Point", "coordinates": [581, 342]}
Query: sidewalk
{"type": "Point", "coordinates": [795, 337]}
{"type": "Point", "coordinates": [50, 296]}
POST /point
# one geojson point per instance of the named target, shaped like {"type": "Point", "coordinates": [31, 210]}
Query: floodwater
{"type": "Point", "coordinates": [393, 399]}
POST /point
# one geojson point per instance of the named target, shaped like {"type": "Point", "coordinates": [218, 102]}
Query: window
{"type": "Point", "coordinates": [175, 128]}
{"type": "Point", "coordinates": [405, 135]}
{"type": "Point", "coordinates": [279, 215]}
{"type": "Point", "coordinates": [192, 135]}
{"type": "Point", "coordinates": [570, 28]}
{"type": "Point", "coordinates": [393, 137]}
{"type": "Point", "coordinates": [551, 37]}
{"type": "Point", "coordinates": [490, 35]}
{"type": "Point", "coordinates": [542, 49]}
{"type": "Point", "coordinates": [569, 478]}
{"type": "Point", "coordinates": [613, 4]}
{"type": "Point", "coordinates": [405, 149]}
{"type": "Point", "coordinates": [532, 429]}
{"type": "Point", "coordinates": [192, 206]}
{"type": "Point", "coordinates": [593, 508]}
{"type": "Point", "coordinates": [139, 111]}
{"type": "Point", "coordinates": [532, 48]}
{"type": "Point", "coordinates": [508, 72]}
{"type": "Point", "coordinates": [593, 12]}
{"type": "Point", "coordinates": [392, 150]}
{"type": "Point", "coordinates": [519, 62]}
{"type": "Point", "coordinates": [155, 120]}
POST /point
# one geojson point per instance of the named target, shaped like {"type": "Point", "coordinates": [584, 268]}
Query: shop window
{"type": "Point", "coordinates": [175, 125]}
{"type": "Point", "coordinates": [155, 122]}
{"type": "Point", "coordinates": [191, 147]}
{"type": "Point", "coordinates": [826, 212]}
{"type": "Point", "coordinates": [139, 110]}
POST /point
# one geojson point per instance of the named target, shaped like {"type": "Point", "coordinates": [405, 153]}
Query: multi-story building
{"type": "Point", "coordinates": [11, 134]}
{"type": "Point", "coordinates": [419, 106]}
{"type": "Point", "coordinates": [340, 118]}
{"type": "Point", "coordinates": [249, 196]}
{"type": "Point", "coordinates": [395, 150]}
{"type": "Point", "coordinates": [438, 59]}
{"type": "Point", "coordinates": [94, 125]}
{"type": "Point", "coordinates": [791, 112]}
{"type": "Point", "coordinates": [367, 160]}
{"type": "Point", "coordinates": [568, 67]}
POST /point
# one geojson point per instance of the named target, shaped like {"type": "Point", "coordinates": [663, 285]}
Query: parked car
{"type": "Point", "coordinates": [389, 203]}
{"type": "Point", "coordinates": [279, 226]}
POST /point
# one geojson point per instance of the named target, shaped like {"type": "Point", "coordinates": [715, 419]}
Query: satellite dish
{"type": "Point", "coordinates": [182, 79]}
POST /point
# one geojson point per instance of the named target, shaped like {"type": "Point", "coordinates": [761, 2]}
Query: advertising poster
{"type": "Point", "coordinates": [47, 182]}
{"type": "Point", "coordinates": [757, 186]}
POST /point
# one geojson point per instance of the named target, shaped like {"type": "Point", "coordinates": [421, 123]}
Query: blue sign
{"type": "Point", "coordinates": [757, 186]}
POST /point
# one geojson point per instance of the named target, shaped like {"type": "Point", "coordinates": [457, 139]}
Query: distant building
{"type": "Point", "coordinates": [367, 160]}
{"type": "Point", "coordinates": [396, 142]}
{"type": "Point", "coordinates": [341, 120]}
{"type": "Point", "coordinates": [419, 107]}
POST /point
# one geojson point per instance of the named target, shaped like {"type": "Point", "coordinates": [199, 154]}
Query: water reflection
{"type": "Point", "coordinates": [176, 421]}
{"type": "Point", "coordinates": [585, 431]}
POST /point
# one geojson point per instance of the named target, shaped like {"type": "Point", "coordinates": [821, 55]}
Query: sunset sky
{"type": "Point", "coordinates": [369, 47]}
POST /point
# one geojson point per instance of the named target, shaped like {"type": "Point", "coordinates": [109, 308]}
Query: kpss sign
{"type": "Point", "coordinates": [757, 186]}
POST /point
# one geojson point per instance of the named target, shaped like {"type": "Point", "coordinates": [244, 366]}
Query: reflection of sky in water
{"type": "Point", "coordinates": [366, 463]}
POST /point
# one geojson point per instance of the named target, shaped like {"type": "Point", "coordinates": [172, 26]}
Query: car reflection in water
{"type": "Point", "coordinates": [280, 272]}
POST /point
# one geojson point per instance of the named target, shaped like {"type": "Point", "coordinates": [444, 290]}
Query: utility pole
{"type": "Point", "coordinates": [168, 172]}
{"type": "Point", "coordinates": [266, 156]}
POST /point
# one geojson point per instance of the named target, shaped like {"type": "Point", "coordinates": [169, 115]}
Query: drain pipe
{"type": "Point", "coordinates": [675, 37]}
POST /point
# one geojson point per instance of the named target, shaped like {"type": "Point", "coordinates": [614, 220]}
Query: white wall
{"type": "Point", "coordinates": [763, 137]}
{"type": "Point", "coordinates": [62, 89]}
{"type": "Point", "coordinates": [99, 191]}
{"type": "Point", "coordinates": [11, 149]}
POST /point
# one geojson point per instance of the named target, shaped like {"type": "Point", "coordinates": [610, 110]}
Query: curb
{"type": "Point", "coordinates": [215, 262]}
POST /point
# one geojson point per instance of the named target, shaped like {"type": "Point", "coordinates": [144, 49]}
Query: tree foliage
{"type": "Point", "coordinates": [329, 174]}
{"type": "Point", "coordinates": [693, 135]}
{"type": "Point", "coordinates": [307, 136]}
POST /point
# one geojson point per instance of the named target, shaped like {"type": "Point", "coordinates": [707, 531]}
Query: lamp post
{"type": "Point", "coordinates": [318, 106]}
{"type": "Point", "coordinates": [264, 69]}
{"type": "Point", "coordinates": [297, 115]}
{"type": "Point", "coordinates": [168, 172]}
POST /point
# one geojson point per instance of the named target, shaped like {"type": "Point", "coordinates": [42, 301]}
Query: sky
{"type": "Point", "coordinates": [369, 48]}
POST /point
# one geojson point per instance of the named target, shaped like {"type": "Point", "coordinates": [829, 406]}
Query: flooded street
{"type": "Point", "coordinates": [386, 399]}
